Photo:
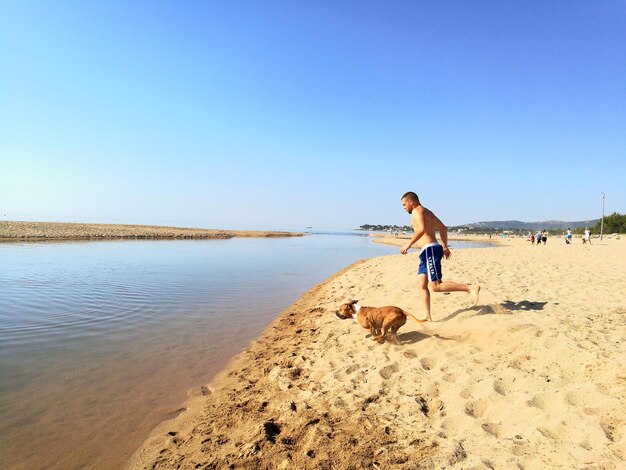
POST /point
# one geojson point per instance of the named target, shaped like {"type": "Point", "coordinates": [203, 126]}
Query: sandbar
{"type": "Point", "coordinates": [49, 231]}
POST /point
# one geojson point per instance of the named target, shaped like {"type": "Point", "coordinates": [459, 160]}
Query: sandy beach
{"type": "Point", "coordinates": [36, 231]}
{"type": "Point", "coordinates": [533, 377]}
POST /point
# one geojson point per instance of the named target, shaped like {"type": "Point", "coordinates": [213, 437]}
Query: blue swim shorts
{"type": "Point", "coordinates": [430, 261]}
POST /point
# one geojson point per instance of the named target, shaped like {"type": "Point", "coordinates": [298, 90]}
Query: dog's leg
{"type": "Point", "coordinates": [387, 324]}
{"type": "Point", "coordinates": [381, 336]}
{"type": "Point", "coordinates": [393, 335]}
{"type": "Point", "coordinates": [376, 334]}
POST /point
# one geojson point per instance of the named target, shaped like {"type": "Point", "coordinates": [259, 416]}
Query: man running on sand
{"type": "Point", "coordinates": [424, 224]}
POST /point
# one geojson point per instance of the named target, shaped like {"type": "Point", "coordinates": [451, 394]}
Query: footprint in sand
{"type": "Point", "coordinates": [491, 428]}
{"type": "Point", "coordinates": [427, 363]}
{"type": "Point", "coordinates": [587, 398]}
{"type": "Point", "coordinates": [433, 390]}
{"type": "Point", "coordinates": [547, 433]}
{"type": "Point", "coordinates": [388, 371]}
{"type": "Point", "coordinates": [502, 387]}
{"type": "Point", "coordinates": [449, 377]}
{"type": "Point", "coordinates": [537, 402]}
{"type": "Point", "coordinates": [475, 409]}
{"type": "Point", "coordinates": [585, 444]}
{"type": "Point", "coordinates": [591, 411]}
{"type": "Point", "coordinates": [410, 354]}
{"type": "Point", "coordinates": [608, 429]}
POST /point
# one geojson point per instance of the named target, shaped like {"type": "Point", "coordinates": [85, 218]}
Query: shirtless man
{"type": "Point", "coordinates": [424, 224]}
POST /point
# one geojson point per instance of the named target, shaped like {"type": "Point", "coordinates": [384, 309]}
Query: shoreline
{"type": "Point", "coordinates": [400, 240]}
{"type": "Point", "coordinates": [526, 378]}
{"type": "Point", "coordinates": [11, 231]}
{"type": "Point", "coordinates": [292, 321]}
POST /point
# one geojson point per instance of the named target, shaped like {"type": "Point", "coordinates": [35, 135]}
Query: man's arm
{"type": "Point", "coordinates": [418, 227]}
{"type": "Point", "coordinates": [414, 238]}
{"type": "Point", "coordinates": [443, 234]}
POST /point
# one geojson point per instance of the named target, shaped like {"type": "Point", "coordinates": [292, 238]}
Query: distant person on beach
{"type": "Point", "coordinates": [538, 238]}
{"type": "Point", "coordinates": [544, 236]}
{"type": "Point", "coordinates": [425, 223]}
{"type": "Point", "coordinates": [568, 237]}
{"type": "Point", "coordinates": [587, 238]}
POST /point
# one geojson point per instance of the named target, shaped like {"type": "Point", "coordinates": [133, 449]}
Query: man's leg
{"type": "Point", "coordinates": [449, 286]}
{"type": "Point", "coordinates": [424, 293]}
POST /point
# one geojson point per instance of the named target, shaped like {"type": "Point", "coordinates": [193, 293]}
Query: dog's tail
{"type": "Point", "coordinates": [411, 316]}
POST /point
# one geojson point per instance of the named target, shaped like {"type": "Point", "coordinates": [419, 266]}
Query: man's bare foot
{"type": "Point", "coordinates": [475, 292]}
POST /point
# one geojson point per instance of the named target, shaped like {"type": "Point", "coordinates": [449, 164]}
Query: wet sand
{"type": "Point", "coordinates": [30, 231]}
{"type": "Point", "coordinates": [402, 239]}
{"type": "Point", "coordinates": [532, 377]}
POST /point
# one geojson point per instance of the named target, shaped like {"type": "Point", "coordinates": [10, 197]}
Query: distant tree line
{"type": "Point", "coordinates": [386, 228]}
{"type": "Point", "coordinates": [614, 223]}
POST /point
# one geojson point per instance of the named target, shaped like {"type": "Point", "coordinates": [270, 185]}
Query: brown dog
{"type": "Point", "coordinates": [379, 320]}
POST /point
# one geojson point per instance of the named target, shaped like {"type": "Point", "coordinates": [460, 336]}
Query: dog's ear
{"type": "Point", "coordinates": [352, 302]}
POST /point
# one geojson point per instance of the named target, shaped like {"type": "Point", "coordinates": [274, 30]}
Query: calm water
{"type": "Point", "coordinates": [100, 341]}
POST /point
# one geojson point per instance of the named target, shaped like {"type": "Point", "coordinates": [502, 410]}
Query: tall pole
{"type": "Point", "coordinates": [602, 222]}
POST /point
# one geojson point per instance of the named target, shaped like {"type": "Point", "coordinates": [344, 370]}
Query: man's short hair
{"type": "Point", "coordinates": [411, 196]}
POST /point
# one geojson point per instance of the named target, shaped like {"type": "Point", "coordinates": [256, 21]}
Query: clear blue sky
{"type": "Point", "coordinates": [323, 113]}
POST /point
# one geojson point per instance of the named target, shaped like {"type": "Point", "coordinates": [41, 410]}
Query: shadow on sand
{"type": "Point", "coordinates": [503, 308]}
{"type": "Point", "coordinates": [522, 305]}
{"type": "Point", "coordinates": [410, 337]}
{"type": "Point", "coordinates": [413, 337]}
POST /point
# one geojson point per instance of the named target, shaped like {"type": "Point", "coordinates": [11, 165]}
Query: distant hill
{"type": "Point", "coordinates": [519, 225]}
{"type": "Point", "coordinates": [495, 226]}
